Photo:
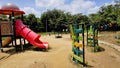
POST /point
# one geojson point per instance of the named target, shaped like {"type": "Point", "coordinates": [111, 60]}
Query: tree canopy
{"type": "Point", "coordinates": [57, 20]}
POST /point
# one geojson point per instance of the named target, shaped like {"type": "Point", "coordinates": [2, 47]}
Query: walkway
{"type": "Point", "coordinates": [111, 45]}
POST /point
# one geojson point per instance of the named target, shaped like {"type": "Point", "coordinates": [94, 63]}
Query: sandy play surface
{"type": "Point", "coordinates": [59, 56]}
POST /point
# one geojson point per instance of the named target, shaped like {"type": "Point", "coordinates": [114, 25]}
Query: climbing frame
{"type": "Point", "coordinates": [92, 37]}
{"type": "Point", "coordinates": [78, 51]}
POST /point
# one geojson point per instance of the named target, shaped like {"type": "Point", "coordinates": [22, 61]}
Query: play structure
{"type": "Point", "coordinates": [58, 34]}
{"type": "Point", "coordinates": [92, 36]}
{"type": "Point", "coordinates": [15, 28]}
{"type": "Point", "coordinates": [77, 35]}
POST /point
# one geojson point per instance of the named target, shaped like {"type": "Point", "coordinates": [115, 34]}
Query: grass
{"type": "Point", "coordinates": [42, 33]}
{"type": "Point", "coordinates": [97, 49]}
{"type": "Point", "coordinates": [47, 33]}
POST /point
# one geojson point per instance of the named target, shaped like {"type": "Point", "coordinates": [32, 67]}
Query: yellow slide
{"type": "Point", "coordinates": [6, 41]}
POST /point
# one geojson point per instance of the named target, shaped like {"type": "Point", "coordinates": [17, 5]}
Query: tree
{"type": "Point", "coordinates": [54, 20]}
{"type": "Point", "coordinates": [80, 18]}
{"type": "Point", "coordinates": [117, 10]}
{"type": "Point", "coordinates": [106, 15]}
{"type": "Point", "coordinates": [94, 18]}
{"type": "Point", "coordinates": [32, 21]}
{"type": "Point", "coordinates": [3, 17]}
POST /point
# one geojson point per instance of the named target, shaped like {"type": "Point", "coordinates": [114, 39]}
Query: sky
{"type": "Point", "coordinates": [73, 6]}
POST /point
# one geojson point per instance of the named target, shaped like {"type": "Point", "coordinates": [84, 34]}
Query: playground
{"type": "Point", "coordinates": [81, 47]}
{"type": "Point", "coordinates": [59, 56]}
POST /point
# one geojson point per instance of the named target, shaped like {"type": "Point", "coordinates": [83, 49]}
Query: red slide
{"type": "Point", "coordinates": [29, 35]}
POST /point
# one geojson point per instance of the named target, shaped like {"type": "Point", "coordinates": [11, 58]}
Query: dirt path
{"type": "Point", "coordinates": [110, 58]}
{"type": "Point", "coordinates": [111, 45]}
{"type": "Point", "coordinates": [58, 56]}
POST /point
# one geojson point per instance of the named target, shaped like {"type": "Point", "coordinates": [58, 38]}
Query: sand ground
{"type": "Point", "coordinates": [59, 56]}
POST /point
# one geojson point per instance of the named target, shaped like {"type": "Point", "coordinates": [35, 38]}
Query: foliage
{"type": "Point", "coordinates": [3, 18]}
{"type": "Point", "coordinates": [57, 20]}
{"type": "Point", "coordinates": [79, 18]}
{"type": "Point", "coordinates": [54, 20]}
{"type": "Point", "coordinates": [107, 15]}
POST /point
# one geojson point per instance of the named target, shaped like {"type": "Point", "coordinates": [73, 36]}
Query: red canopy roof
{"type": "Point", "coordinates": [9, 12]}
{"type": "Point", "coordinates": [8, 8]}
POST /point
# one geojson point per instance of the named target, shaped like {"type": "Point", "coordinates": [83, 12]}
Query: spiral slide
{"type": "Point", "coordinates": [29, 35]}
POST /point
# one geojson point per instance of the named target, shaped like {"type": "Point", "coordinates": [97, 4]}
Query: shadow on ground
{"type": "Point", "coordinates": [27, 47]}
